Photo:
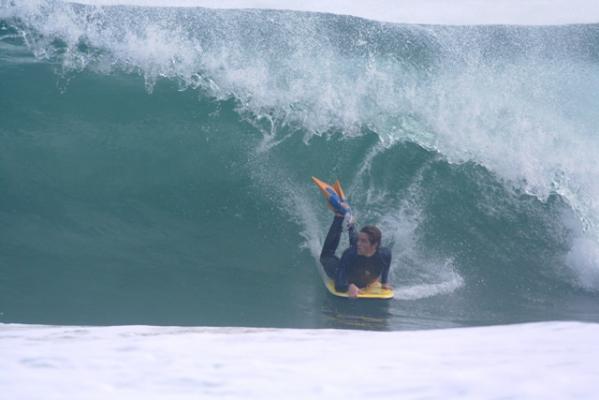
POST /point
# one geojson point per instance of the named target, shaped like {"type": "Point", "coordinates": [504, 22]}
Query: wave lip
{"type": "Point", "coordinates": [431, 12]}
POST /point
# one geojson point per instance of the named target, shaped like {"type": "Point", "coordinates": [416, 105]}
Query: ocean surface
{"type": "Point", "coordinates": [155, 166]}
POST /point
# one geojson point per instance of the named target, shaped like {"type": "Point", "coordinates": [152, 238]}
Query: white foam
{"type": "Point", "coordinates": [583, 258]}
{"type": "Point", "coordinates": [552, 360]}
{"type": "Point", "coordinates": [429, 289]}
{"type": "Point", "coordinates": [462, 12]}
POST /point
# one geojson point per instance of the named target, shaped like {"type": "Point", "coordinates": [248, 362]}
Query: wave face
{"type": "Point", "coordinates": [155, 164]}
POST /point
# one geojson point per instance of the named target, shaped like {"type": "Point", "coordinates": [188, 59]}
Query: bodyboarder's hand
{"type": "Point", "coordinates": [353, 290]}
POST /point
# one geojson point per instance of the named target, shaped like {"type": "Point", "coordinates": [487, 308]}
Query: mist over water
{"type": "Point", "coordinates": [155, 165]}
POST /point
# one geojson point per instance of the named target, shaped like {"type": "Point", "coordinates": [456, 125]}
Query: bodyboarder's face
{"type": "Point", "coordinates": [363, 245]}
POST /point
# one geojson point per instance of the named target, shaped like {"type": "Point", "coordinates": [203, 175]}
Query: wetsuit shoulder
{"type": "Point", "coordinates": [385, 257]}
{"type": "Point", "coordinates": [385, 253]}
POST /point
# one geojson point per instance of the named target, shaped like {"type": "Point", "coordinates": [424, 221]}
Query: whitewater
{"type": "Point", "coordinates": [545, 360]}
{"type": "Point", "coordinates": [159, 233]}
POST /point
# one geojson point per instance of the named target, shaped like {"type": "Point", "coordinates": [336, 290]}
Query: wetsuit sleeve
{"type": "Point", "coordinates": [341, 279]}
{"type": "Point", "coordinates": [386, 259]}
{"type": "Point", "coordinates": [353, 235]}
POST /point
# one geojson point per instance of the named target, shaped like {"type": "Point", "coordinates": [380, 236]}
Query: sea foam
{"type": "Point", "coordinates": [551, 360]}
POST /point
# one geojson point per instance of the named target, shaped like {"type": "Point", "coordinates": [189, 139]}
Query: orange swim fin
{"type": "Point", "coordinates": [339, 190]}
{"type": "Point", "coordinates": [326, 189]}
{"type": "Point", "coordinates": [333, 195]}
{"type": "Point", "coordinates": [323, 186]}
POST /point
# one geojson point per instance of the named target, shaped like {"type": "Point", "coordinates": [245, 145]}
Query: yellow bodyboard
{"type": "Point", "coordinates": [374, 291]}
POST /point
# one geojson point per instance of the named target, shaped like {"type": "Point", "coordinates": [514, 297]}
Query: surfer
{"type": "Point", "coordinates": [363, 263]}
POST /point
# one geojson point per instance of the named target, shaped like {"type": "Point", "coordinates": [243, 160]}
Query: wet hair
{"type": "Point", "coordinates": [374, 234]}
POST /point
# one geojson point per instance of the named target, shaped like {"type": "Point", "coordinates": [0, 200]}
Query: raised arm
{"type": "Point", "coordinates": [352, 235]}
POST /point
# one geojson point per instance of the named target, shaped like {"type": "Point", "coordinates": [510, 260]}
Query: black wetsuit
{"type": "Point", "coordinates": [352, 267]}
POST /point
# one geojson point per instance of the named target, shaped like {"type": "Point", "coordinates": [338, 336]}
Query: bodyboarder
{"type": "Point", "coordinates": [360, 265]}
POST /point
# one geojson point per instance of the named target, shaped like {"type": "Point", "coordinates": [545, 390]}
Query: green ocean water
{"type": "Point", "coordinates": [155, 167]}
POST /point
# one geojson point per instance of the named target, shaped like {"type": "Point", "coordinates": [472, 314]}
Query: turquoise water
{"type": "Point", "coordinates": [155, 165]}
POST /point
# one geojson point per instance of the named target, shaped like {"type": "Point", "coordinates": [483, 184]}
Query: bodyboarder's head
{"type": "Point", "coordinates": [369, 240]}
